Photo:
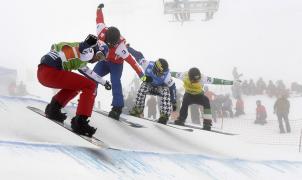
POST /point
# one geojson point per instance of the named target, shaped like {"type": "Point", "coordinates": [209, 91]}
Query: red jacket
{"type": "Point", "coordinates": [261, 112]}
{"type": "Point", "coordinates": [119, 53]}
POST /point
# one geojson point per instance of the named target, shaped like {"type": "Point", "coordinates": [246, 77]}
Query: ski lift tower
{"type": "Point", "coordinates": [181, 10]}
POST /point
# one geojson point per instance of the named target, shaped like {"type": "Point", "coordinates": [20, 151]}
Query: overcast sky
{"type": "Point", "coordinates": [260, 37]}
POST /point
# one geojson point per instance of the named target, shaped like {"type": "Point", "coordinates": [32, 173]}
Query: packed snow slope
{"type": "Point", "coordinates": [32, 147]}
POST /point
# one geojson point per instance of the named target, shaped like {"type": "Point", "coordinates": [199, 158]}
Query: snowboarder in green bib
{"type": "Point", "coordinates": [54, 71]}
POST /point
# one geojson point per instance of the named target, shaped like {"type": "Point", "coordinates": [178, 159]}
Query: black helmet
{"type": "Point", "coordinates": [112, 36]}
{"type": "Point", "coordinates": [160, 66]}
{"type": "Point", "coordinates": [194, 74]}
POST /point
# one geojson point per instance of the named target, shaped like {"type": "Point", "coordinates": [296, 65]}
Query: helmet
{"type": "Point", "coordinates": [112, 36]}
{"type": "Point", "coordinates": [194, 74]}
{"type": "Point", "coordinates": [160, 66]}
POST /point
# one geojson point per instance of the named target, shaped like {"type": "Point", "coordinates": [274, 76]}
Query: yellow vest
{"type": "Point", "coordinates": [192, 88]}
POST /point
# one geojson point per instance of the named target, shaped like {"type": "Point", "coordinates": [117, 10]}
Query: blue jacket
{"type": "Point", "coordinates": [164, 80]}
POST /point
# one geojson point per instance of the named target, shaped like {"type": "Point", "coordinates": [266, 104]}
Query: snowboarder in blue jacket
{"type": "Point", "coordinates": [158, 82]}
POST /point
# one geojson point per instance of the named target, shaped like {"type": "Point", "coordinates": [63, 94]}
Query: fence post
{"type": "Point", "coordinates": [300, 141]}
{"type": "Point", "coordinates": [221, 120]}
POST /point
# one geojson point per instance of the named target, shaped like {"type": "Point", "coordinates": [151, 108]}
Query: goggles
{"type": "Point", "coordinates": [157, 70]}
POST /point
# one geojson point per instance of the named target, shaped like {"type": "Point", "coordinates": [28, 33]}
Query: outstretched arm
{"type": "Point", "coordinates": [178, 75]}
{"type": "Point", "coordinates": [210, 80]}
{"type": "Point", "coordinates": [134, 65]}
{"type": "Point", "coordinates": [122, 52]}
{"type": "Point", "coordinates": [100, 23]}
{"type": "Point", "coordinates": [204, 79]}
{"type": "Point", "coordinates": [139, 57]}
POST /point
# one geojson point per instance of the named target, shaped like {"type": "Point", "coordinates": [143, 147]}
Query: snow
{"type": "Point", "coordinates": [34, 147]}
{"type": "Point", "coordinates": [251, 35]}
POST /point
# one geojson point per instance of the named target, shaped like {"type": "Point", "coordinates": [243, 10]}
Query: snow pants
{"type": "Point", "coordinates": [70, 84]}
{"type": "Point", "coordinates": [162, 91]}
{"type": "Point", "coordinates": [200, 99]}
{"type": "Point", "coordinates": [102, 68]}
{"type": "Point", "coordinates": [281, 117]}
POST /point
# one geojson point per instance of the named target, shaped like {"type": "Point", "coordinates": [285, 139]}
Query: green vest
{"type": "Point", "coordinates": [69, 54]}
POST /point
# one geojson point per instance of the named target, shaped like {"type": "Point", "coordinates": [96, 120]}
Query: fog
{"type": "Point", "coordinates": [261, 38]}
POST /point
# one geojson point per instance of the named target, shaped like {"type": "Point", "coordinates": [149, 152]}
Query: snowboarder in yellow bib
{"type": "Point", "coordinates": [194, 94]}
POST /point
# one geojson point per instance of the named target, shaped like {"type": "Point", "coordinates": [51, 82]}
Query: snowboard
{"type": "Point", "coordinates": [92, 139]}
{"type": "Point", "coordinates": [122, 120]}
{"type": "Point", "coordinates": [212, 130]}
{"type": "Point", "coordinates": [169, 125]}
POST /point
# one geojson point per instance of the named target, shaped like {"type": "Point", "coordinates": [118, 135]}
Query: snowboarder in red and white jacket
{"type": "Point", "coordinates": [115, 58]}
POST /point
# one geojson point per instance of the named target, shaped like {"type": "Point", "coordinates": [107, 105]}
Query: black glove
{"type": "Point", "coordinates": [91, 40]}
{"type": "Point", "coordinates": [174, 106]}
{"type": "Point", "coordinates": [100, 6]}
{"type": "Point", "coordinates": [107, 85]}
{"type": "Point", "coordinates": [149, 79]}
{"type": "Point", "coordinates": [146, 79]}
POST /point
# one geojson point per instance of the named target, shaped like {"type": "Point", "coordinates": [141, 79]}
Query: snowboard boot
{"type": "Point", "coordinates": [135, 111]}
{"type": "Point", "coordinates": [163, 119]}
{"type": "Point", "coordinates": [179, 122]}
{"type": "Point", "coordinates": [207, 124]}
{"type": "Point", "coordinates": [115, 113]}
{"type": "Point", "coordinates": [53, 111]}
{"type": "Point", "coordinates": [79, 125]}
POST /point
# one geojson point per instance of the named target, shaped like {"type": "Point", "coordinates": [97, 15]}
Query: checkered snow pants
{"type": "Point", "coordinates": [162, 91]}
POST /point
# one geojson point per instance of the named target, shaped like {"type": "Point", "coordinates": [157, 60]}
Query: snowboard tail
{"type": "Point", "coordinates": [170, 125]}
{"type": "Point", "coordinates": [122, 120]}
{"type": "Point", "coordinates": [92, 139]}
{"type": "Point", "coordinates": [212, 130]}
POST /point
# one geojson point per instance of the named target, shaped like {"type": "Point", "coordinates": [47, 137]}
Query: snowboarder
{"type": "Point", "coordinates": [114, 61]}
{"type": "Point", "coordinates": [159, 83]}
{"type": "Point", "coordinates": [193, 83]}
{"type": "Point", "coordinates": [54, 71]}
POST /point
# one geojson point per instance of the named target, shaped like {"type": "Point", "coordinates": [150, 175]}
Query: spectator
{"type": "Point", "coordinates": [245, 88]}
{"type": "Point", "coordinates": [239, 107]}
{"type": "Point", "coordinates": [236, 75]}
{"type": "Point", "coordinates": [280, 87]}
{"type": "Point", "coordinates": [260, 86]}
{"type": "Point", "coordinates": [261, 114]}
{"type": "Point", "coordinates": [236, 90]}
{"type": "Point", "coordinates": [251, 88]}
{"type": "Point", "coordinates": [295, 87]}
{"type": "Point", "coordinates": [281, 108]}
{"type": "Point", "coordinates": [227, 106]}
{"type": "Point", "coordinates": [271, 89]}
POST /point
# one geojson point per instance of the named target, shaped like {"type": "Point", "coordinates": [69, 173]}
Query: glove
{"type": "Point", "coordinates": [107, 85]}
{"type": "Point", "coordinates": [146, 79]}
{"type": "Point", "coordinates": [91, 40]}
{"type": "Point", "coordinates": [100, 6]}
{"type": "Point", "coordinates": [174, 106]}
